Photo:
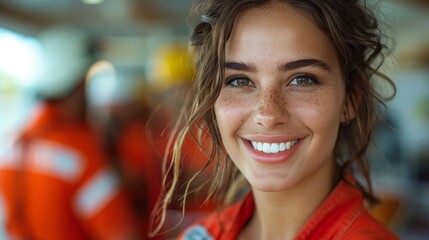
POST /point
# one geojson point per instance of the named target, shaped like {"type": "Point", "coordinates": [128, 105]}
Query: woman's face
{"type": "Point", "coordinates": [283, 99]}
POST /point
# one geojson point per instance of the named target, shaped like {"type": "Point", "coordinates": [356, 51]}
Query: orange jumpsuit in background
{"type": "Point", "coordinates": [56, 184]}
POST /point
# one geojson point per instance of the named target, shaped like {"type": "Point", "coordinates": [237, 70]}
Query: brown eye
{"type": "Point", "coordinates": [240, 82]}
{"type": "Point", "coordinates": [303, 81]}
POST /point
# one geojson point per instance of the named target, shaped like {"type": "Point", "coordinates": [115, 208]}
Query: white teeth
{"type": "Point", "coordinates": [273, 147]}
{"type": "Point", "coordinates": [266, 148]}
{"type": "Point", "coordinates": [288, 145]}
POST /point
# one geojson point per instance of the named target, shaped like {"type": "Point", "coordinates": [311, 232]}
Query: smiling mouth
{"type": "Point", "coordinates": [273, 147]}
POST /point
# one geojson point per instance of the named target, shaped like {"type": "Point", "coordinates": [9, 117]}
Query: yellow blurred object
{"type": "Point", "coordinates": [7, 85]}
{"type": "Point", "coordinates": [385, 211]}
{"type": "Point", "coordinates": [172, 66]}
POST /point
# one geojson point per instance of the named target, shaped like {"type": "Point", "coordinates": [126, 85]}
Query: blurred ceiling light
{"type": "Point", "coordinates": [92, 1]}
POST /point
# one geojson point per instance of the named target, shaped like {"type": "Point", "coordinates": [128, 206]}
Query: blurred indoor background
{"type": "Point", "coordinates": [140, 38]}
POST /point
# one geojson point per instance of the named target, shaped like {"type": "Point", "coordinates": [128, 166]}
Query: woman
{"type": "Point", "coordinates": [284, 91]}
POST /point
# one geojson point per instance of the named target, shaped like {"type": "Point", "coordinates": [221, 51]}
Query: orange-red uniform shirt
{"type": "Point", "coordinates": [340, 216]}
{"type": "Point", "coordinates": [58, 185]}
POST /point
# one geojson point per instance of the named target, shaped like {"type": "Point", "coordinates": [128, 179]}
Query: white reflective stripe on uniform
{"type": "Point", "coordinates": [197, 232]}
{"type": "Point", "coordinates": [9, 156]}
{"type": "Point", "coordinates": [96, 193]}
{"type": "Point", "coordinates": [55, 159]}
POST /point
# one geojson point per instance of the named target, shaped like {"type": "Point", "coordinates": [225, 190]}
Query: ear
{"type": "Point", "coordinates": [350, 107]}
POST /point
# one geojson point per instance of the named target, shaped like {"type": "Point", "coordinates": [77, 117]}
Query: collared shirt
{"type": "Point", "coordinates": [340, 216]}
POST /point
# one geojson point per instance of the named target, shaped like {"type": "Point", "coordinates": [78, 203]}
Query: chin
{"type": "Point", "coordinates": [270, 186]}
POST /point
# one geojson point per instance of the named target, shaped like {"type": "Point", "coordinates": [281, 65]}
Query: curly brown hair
{"type": "Point", "coordinates": [357, 38]}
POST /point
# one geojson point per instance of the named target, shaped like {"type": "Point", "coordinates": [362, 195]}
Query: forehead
{"type": "Point", "coordinates": [278, 28]}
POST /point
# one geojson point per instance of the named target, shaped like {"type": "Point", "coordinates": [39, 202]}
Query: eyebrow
{"type": "Point", "coordinates": [305, 63]}
{"type": "Point", "coordinates": [240, 66]}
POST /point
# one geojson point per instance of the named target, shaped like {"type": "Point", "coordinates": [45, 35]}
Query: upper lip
{"type": "Point", "coordinates": [270, 138]}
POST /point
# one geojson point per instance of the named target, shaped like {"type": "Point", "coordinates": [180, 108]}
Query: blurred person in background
{"type": "Point", "coordinates": [55, 180]}
{"type": "Point", "coordinates": [120, 113]}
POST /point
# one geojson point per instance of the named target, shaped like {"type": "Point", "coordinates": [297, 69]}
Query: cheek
{"type": "Point", "coordinates": [230, 112]}
{"type": "Point", "coordinates": [320, 111]}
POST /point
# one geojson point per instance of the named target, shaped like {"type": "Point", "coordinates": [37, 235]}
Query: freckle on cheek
{"type": "Point", "coordinates": [315, 100]}
{"type": "Point", "coordinates": [227, 103]}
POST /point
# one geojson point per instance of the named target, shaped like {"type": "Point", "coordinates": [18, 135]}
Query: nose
{"type": "Point", "coordinates": [271, 109]}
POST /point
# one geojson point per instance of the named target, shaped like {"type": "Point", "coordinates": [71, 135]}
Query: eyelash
{"type": "Point", "coordinates": [311, 80]}
{"type": "Point", "coordinates": [233, 82]}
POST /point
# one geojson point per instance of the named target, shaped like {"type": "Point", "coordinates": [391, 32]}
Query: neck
{"type": "Point", "coordinates": [281, 215]}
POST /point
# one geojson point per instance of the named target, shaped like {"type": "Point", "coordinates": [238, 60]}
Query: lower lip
{"type": "Point", "coordinates": [271, 157]}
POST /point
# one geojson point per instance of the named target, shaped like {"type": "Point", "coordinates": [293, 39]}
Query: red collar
{"type": "Point", "coordinates": [331, 220]}
{"type": "Point", "coordinates": [342, 197]}
{"type": "Point", "coordinates": [340, 216]}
